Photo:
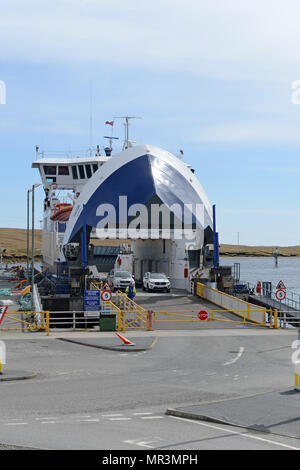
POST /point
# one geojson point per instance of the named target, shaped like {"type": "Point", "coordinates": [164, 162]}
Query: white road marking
{"type": "Point", "coordinates": [145, 443]}
{"type": "Point", "coordinates": [52, 422]}
{"type": "Point", "coordinates": [87, 420]}
{"type": "Point", "coordinates": [152, 417]}
{"type": "Point", "coordinates": [15, 424]}
{"type": "Point", "coordinates": [235, 358]}
{"type": "Point", "coordinates": [48, 417]}
{"type": "Point", "coordinates": [112, 415]}
{"type": "Point", "coordinates": [119, 419]}
{"type": "Point", "coordinates": [247, 436]}
{"type": "Point", "coordinates": [142, 414]}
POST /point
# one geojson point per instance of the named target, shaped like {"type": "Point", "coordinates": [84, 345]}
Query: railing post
{"type": "Point", "coordinates": [123, 313]}
{"type": "Point", "coordinates": [48, 322]}
{"type": "Point", "coordinates": [74, 320]}
{"type": "Point", "coordinates": [149, 320]}
{"type": "Point", "coordinates": [271, 317]}
{"type": "Point", "coordinates": [275, 318]}
{"type": "Point", "coordinates": [119, 320]}
{"type": "Point", "coordinates": [284, 319]}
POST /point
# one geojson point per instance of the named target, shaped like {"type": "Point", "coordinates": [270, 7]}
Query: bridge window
{"type": "Point", "coordinates": [81, 172]}
{"type": "Point", "coordinates": [95, 167]}
{"type": "Point", "coordinates": [88, 171]}
{"type": "Point", "coordinates": [63, 170]}
{"type": "Point", "coordinates": [51, 180]}
{"type": "Point", "coordinates": [61, 227]}
{"type": "Point", "coordinates": [49, 170]}
{"type": "Point", "coordinates": [74, 171]}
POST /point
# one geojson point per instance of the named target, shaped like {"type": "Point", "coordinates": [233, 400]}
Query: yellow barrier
{"type": "Point", "coordinates": [247, 312]}
{"type": "Point", "coordinates": [129, 308]}
{"type": "Point", "coordinates": [29, 321]}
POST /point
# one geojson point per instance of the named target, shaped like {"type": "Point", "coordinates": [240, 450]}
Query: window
{"type": "Point", "coordinates": [88, 171]}
{"type": "Point", "coordinates": [51, 180]}
{"type": "Point", "coordinates": [81, 172]}
{"type": "Point", "coordinates": [49, 170]}
{"type": "Point", "coordinates": [61, 227]}
{"type": "Point", "coordinates": [63, 170]}
{"type": "Point", "coordinates": [95, 167]}
{"type": "Point", "coordinates": [74, 171]}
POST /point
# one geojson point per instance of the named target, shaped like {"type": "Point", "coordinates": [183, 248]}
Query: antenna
{"type": "Point", "coordinates": [126, 124]}
{"type": "Point", "coordinates": [91, 115]}
{"type": "Point", "coordinates": [108, 150]}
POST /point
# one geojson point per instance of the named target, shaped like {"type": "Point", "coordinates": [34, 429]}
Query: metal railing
{"type": "Point", "coordinates": [131, 314]}
{"type": "Point", "coordinates": [292, 299]}
{"type": "Point", "coordinates": [26, 321]}
{"type": "Point", "coordinates": [232, 304]}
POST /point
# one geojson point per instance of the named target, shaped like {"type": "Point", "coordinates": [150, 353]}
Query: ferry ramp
{"type": "Point", "coordinates": [179, 310]}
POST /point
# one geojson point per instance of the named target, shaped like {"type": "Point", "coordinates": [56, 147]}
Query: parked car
{"type": "Point", "coordinates": [119, 280]}
{"type": "Point", "coordinates": [156, 282]}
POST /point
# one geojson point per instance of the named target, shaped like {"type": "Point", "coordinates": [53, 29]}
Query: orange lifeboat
{"type": "Point", "coordinates": [61, 212]}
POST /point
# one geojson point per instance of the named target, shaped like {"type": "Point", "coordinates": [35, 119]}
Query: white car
{"type": "Point", "coordinates": [119, 280]}
{"type": "Point", "coordinates": [156, 282]}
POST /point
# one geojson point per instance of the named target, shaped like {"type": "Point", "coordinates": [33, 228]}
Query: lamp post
{"type": "Point", "coordinates": [32, 237]}
{"type": "Point", "coordinates": [27, 272]}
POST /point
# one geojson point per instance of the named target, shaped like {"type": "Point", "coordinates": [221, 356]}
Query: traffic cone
{"type": "Point", "coordinates": [125, 340]}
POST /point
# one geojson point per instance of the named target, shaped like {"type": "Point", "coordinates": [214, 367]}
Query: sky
{"type": "Point", "coordinates": [217, 79]}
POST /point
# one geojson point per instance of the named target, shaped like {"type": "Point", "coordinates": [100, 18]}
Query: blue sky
{"type": "Point", "coordinates": [212, 78]}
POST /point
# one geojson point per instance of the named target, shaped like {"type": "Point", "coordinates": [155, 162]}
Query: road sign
{"type": "Point", "coordinates": [106, 295]}
{"type": "Point", "coordinates": [280, 294]}
{"type": "Point", "coordinates": [106, 286]}
{"type": "Point", "coordinates": [91, 303]}
{"type": "Point", "coordinates": [203, 315]}
{"type": "Point", "coordinates": [280, 285]}
{"type": "Point", "coordinates": [2, 313]}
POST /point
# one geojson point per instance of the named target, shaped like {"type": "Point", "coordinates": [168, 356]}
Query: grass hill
{"type": "Point", "coordinates": [15, 242]}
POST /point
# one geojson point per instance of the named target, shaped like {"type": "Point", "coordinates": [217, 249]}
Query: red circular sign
{"type": "Point", "coordinates": [203, 315]}
{"type": "Point", "coordinates": [280, 294]}
{"type": "Point", "coordinates": [106, 295]}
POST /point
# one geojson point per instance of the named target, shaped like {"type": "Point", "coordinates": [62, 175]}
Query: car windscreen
{"type": "Point", "coordinates": [122, 274]}
{"type": "Point", "coordinates": [158, 276]}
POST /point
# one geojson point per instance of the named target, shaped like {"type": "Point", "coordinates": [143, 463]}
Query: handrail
{"type": "Point", "coordinates": [122, 297]}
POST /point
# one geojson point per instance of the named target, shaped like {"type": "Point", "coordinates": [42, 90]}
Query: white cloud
{"type": "Point", "coordinates": [249, 131]}
{"type": "Point", "coordinates": [232, 39]}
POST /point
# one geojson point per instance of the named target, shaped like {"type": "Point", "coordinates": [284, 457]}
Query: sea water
{"type": "Point", "coordinates": [254, 269]}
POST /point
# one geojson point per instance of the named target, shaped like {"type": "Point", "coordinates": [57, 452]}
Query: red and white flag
{"type": "Point", "coordinates": [111, 123]}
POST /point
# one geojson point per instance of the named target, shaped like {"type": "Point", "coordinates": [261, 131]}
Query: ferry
{"type": "Point", "coordinates": [144, 195]}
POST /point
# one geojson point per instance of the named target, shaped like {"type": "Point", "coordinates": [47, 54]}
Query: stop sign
{"type": "Point", "coordinates": [203, 315]}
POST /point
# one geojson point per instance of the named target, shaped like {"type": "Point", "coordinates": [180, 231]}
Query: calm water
{"type": "Point", "coordinates": [253, 270]}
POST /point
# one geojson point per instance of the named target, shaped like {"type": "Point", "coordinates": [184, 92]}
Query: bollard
{"type": "Point", "coordinates": [2, 355]}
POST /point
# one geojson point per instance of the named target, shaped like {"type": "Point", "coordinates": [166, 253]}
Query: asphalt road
{"type": "Point", "coordinates": [88, 398]}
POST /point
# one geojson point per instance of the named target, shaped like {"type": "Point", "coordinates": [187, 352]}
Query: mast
{"type": "Point", "coordinates": [126, 124]}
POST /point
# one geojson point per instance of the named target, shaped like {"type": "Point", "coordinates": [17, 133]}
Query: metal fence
{"type": "Point", "coordinates": [25, 321]}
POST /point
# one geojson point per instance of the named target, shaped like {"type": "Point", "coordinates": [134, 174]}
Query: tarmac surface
{"type": "Point", "coordinates": [273, 413]}
{"type": "Point", "coordinates": [115, 344]}
{"type": "Point", "coordinates": [221, 375]}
